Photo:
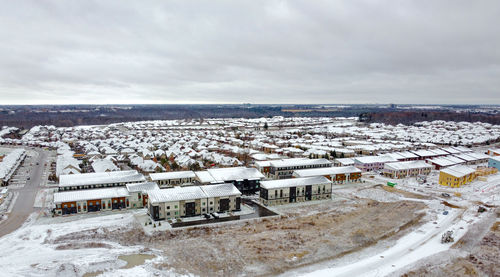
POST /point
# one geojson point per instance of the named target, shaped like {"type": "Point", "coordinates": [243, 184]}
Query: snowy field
{"type": "Point", "coordinates": [40, 249]}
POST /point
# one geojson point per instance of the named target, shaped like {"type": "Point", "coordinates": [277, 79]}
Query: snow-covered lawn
{"type": "Point", "coordinates": [36, 249]}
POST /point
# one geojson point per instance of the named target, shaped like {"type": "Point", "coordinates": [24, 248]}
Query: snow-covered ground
{"type": "Point", "coordinates": [425, 241]}
{"type": "Point", "coordinates": [34, 249]}
{"type": "Point", "coordinates": [44, 198]}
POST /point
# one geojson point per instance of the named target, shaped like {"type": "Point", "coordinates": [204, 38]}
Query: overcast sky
{"type": "Point", "coordinates": [105, 52]}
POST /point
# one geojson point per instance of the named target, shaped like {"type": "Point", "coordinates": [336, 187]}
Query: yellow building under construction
{"type": "Point", "coordinates": [456, 176]}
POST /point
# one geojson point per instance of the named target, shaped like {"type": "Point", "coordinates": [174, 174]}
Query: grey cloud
{"type": "Point", "coordinates": [249, 51]}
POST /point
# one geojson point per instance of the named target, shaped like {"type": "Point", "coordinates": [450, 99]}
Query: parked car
{"type": "Point", "coordinates": [444, 194]}
{"type": "Point", "coordinates": [207, 216]}
{"type": "Point", "coordinates": [215, 215]}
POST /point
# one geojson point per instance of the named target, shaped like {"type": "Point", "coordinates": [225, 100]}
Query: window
{"type": "Point", "coordinates": [176, 208]}
{"type": "Point", "coordinates": [168, 207]}
{"type": "Point", "coordinates": [168, 213]}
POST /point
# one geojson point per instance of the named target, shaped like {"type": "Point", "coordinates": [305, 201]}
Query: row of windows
{"type": "Point", "coordinates": [96, 186]}
{"type": "Point", "coordinates": [299, 167]}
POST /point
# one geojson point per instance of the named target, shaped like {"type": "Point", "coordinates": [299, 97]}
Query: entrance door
{"type": "Point", "coordinates": [155, 212]}
{"type": "Point", "coordinates": [238, 203]}
{"type": "Point", "coordinates": [308, 192]}
{"type": "Point", "coordinates": [293, 194]}
{"type": "Point", "coordinates": [190, 209]}
{"type": "Point", "coordinates": [224, 205]}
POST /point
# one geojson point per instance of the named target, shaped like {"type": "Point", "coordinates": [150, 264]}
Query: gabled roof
{"type": "Point", "coordinates": [459, 170]}
{"type": "Point", "coordinates": [101, 178]}
{"type": "Point", "coordinates": [89, 194]}
{"type": "Point", "coordinates": [235, 174]}
{"type": "Point", "coordinates": [192, 192]}
{"type": "Point", "coordinates": [220, 190]}
{"type": "Point", "coordinates": [176, 194]}
{"type": "Point", "coordinates": [142, 187]}
{"type": "Point", "coordinates": [407, 165]}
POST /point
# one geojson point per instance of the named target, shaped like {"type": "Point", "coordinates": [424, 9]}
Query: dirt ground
{"type": "Point", "coordinates": [482, 260]}
{"type": "Point", "coordinates": [303, 235]}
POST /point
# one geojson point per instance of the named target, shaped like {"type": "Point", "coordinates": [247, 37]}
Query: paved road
{"type": "Point", "coordinates": [23, 206]}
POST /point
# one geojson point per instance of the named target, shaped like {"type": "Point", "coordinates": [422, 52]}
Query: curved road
{"type": "Point", "coordinates": [23, 206]}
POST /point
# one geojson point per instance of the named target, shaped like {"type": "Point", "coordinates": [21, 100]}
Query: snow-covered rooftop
{"type": "Point", "coordinates": [220, 190]}
{"type": "Point", "coordinates": [172, 175]}
{"type": "Point", "coordinates": [294, 182]}
{"type": "Point", "coordinates": [326, 171]}
{"type": "Point", "coordinates": [459, 170]}
{"type": "Point", "coordinates": [235, 173]}
{"type": "Point", "coordinates": [192, 192]}
{"type": "Point", "coordinates": [407, 165]}
{"type": "Point", "coordinates": [299, 162]}
{"type": "Point", "coordinates": [90, 194]}
{"type": "Point", "coordinates": [101, 178]}
{"type": "Point", "coordinates": [142, 187]}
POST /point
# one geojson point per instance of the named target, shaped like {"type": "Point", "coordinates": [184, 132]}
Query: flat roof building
{"type": "Point", "coordinates": [283, 191]}
{"type": "Point", "coordinates": [193, 200]}
{"type": "Point", "coordinates": [406, 169]}
{"type": "Point", "coordinates": [283, 169]}
{"type": "Point", "coordinates": [337, 175]}
{"type": "Point", "coordinates": [456, 176]}
{"type": "Point", "coordinates": [245, 179]}
{"type": "Point", "coordinates": [175, 178]}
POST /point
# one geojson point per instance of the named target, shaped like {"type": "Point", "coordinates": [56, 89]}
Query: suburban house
{"type": "Point", "coordinates": [456, 176]}
{"type": "Point", "coordinates": [99, 180]}
{"type": "Point", "coordinates": [277, 192]}
{"type": "Point", "coordinates": [66, 165]}
{"type": "Point", "coordinates": [283, 169]}
{"type": "Point", "coordinates": [193, 200]}
{"type": "Point", "coordinates": [337, 175]}
{"type": "Point", "coordinates": [406, 169]}
{"type": "Point", "coordinates": [170, 179]}
{"type": "Point", "coordinates": [104, 165]}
